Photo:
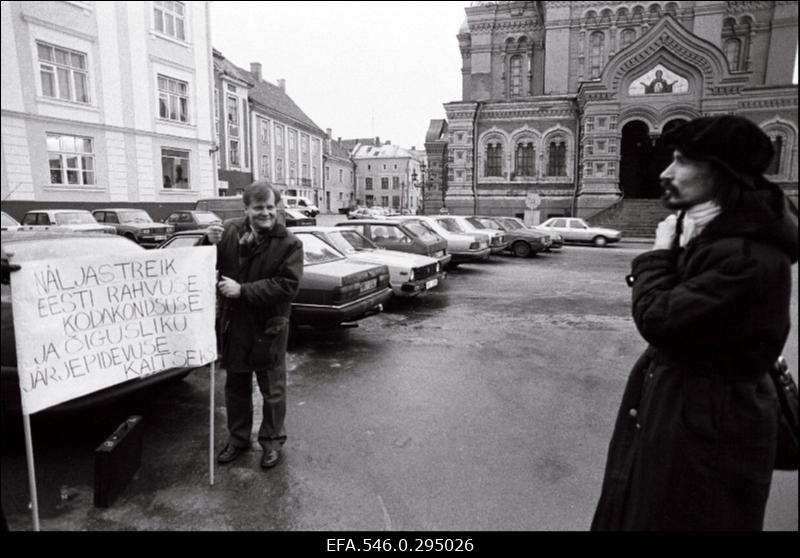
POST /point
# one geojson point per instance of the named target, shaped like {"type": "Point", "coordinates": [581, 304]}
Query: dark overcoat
{"type": "Point", "coordinates": [270, 278]}
{"type": "Point", "coordinates": [694, 442]}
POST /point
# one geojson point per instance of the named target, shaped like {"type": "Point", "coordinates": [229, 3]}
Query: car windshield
{"type": "Point", "coordinates": [207, 218]}
{"type": "Point", "coordinates": [295, 214]}
{"type": "Point", "coordinates": [352, 241]}
{"type": "Point", "coordinates": [450, 224]}
{"type": "Point", "coordinates": [490, 223]}
{"type": "Point", "coordinates": [75, 218]}
{"type": "Point", "coordinates": [421, 231]}
{"type": "Point", "coordinates": [475, 222]}
{"type": "Point", "coordinates": [8, 221]}
{"type": "Point", "coordinates": [134, 217]}
{"type": "Point", "coordinates": [183, 241]}
{"type": "Point", "coordinates": [511, 224]}
{"type": "Point", "coordinates": [51, 247]}
{"type": "Point", "coordinates": [316, 251]}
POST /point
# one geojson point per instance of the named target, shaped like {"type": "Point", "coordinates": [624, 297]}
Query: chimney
{"type": "Point", "coordinates": [387, 142]}
{"type": "Point", "coordinates": [377, 141]}
{"type": "Point", "coordinates": [282, 84]}
{"type": "Point", "coordinates": [339, 140]}
{"type": "Point", "coordinates": [255, 69]}
{"type": "Point", "coordinates": [328, 133]}
{"type": "Point", "coordinates": [328, 139]}
{"type": "Point", "coordinates": [413, 148]}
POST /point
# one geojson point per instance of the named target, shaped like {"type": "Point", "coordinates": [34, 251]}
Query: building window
{"type": "Point", "coordinates": [733, 48]}
{"type": "Point", "coordinates": [384, 183]}
{"type": "Point", "coordinates": [368, 183]}
{"type": "Point", "coordinates": [557, 158]}
{"type": "Point", "coordinates": [596, 43]}
{"type": "Point", "coordinates": [341, 175]}
{"type": "Point", "coordinates": [71, 160]}
{"type": "Point", "coordinates": [279, 170]}
{"type": "Point", "coordinates": [265, 166]}
{"type": "Point", "coordinates": [524, 159]}
{"type": "Point", "coordinates": [279, 136]}
{"type": "Point", "coordinates": [304, 144]}
{"type": "Point", "coordinates": [170, 19]}
{"type": "Point", "coordinates": [385, 201]}
{"type": "Point", "coordinates": [64, 73]}
{"type": "Point", "coordinates": [233, 153]}
{"type": "Point", "coordinates": [396, 201]}
{"type": "Point", "coordinates": [494, 156]}
{"type": "Point", "coordinates": [516, 76]}
{"type": "Point", "coordinates": [292, 140]}
{"type": "Point", "coordinates": [173, 99]}
{"type": "Point", "coordinates": [395, 182]}
{"type": "Point", "coordinates": [775, 164]}
{"type": "Point", "coordinates": [626, 37]}
{"type": "Point", "coordinates": [328, 174]}
{"type": "Point", "coordinates": [263, 126]}
{"type": "Point", "coordinates": [175, 168]}
{"type": "Point", "coordinates": [233, 116]}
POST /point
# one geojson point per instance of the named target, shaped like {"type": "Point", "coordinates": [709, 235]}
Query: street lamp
{"type": "Point", "coordinates": [415, 183]}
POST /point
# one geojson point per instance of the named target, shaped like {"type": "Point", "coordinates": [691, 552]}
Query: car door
{"type": "Point", "coordinates": [560, 226]}
{"type": "Point", "coordinates": [174, 221]}
{"type": "Point", "coordinates": [397, 239]}
{"type": "Point", "coordinates": [579, 230]}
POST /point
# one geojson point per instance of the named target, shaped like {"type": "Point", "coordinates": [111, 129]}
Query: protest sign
{"type": "Point", "coordinates": [84, 324]}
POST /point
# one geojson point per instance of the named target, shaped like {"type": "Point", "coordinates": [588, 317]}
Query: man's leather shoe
{"type": "Point", "coordinates": [270, 458]}
{"type": "Point", "coordinates": [229, 453]}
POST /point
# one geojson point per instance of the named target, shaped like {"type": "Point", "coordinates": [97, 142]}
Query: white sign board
{"type": "Point", "coordinates": [84, 324]}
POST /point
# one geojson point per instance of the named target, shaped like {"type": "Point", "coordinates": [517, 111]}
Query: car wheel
{"type": "Point", "coordinates": [600, 241]}
{"type": "Point", "coordinates": [521, 249]}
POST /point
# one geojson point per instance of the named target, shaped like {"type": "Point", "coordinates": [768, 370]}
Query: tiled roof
{"type": "Point", "coordinates": [337, 150]}
{"type": "Point", "coordinates": [223, 66]}
{"type": "Point", "coordinates": [273, 98]}
{"type": "Point", "coordinates": [381, 151]}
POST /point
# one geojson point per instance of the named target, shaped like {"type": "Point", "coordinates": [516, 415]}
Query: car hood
{"type": "Point", "coordinates": [141, 226]}
{"type": "Point", "coordinates": [392, 258]}
{"type": "Point", "coordinates": [87, 227]}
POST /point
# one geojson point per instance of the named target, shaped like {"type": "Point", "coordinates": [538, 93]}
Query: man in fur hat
{"type": "Point", "coordinates": [694, 442]}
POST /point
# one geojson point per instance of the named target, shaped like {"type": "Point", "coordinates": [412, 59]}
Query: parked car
{"type": "Point", "coordinates": [301, 204]}
{"type": "Point", "coordinates": [522, 242]}
{"type": "Point", "coordinates": [366, 213]}
{"type": "Point", "coordinates": [573, 229]}
{"type": "Point", "coordinates": [134, 224]}
{"type": "Point", "coordinates": [33, 245]}
{"type": "Point", "coordinates": [464, 247]}
{"type": "Point", "coordinates": [409, 274]}
{"type": "Point", "coordinates": [403, 236]}
{"type": "Point", "coordinates": [225, 207]}
{"type": "Point", "coordinates": [191, 219]}
{"type": "Point", "coordinates": [296, 218]}
{"type": "Point", "coordinates": [76, 220]}
{"type": "Point", "coordinates": [7, 222]}
{"type": "Point", "coordinates": [514, 224]}
{"type": "Point", "coordinates": [497, 239]}
{"type": "Point", "coordinates": [334, 290]}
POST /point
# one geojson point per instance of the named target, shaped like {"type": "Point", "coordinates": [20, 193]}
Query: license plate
{"type": "Point", "coordinates": [159, 238]}
{"type": "Point", "coordinates": [431, 284]}
{"type": "Point", "coordinates": [369, 285]}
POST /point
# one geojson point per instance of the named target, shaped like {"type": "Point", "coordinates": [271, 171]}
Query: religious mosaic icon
{"type": "Point", "coordinates": [658, 81]}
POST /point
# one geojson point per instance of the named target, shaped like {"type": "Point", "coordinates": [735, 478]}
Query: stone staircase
{"type": "Point", "coordinates": [634, 217]}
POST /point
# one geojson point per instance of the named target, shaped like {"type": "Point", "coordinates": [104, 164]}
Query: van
{"type": "Point", "coordinates": [228, 207]}
{"type": "Point", "coordinates": [301, 203]}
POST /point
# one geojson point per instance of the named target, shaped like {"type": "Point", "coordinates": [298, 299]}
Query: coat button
{"type": "Point", "coordinates": [633, 413]}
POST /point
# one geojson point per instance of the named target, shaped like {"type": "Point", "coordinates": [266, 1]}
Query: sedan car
{"type": "Point", "coordinates": [76, 220]}
{"type": "Point", "coordinates": [403, 236]}
{"type": "Point", "coordinates": [34, 245]}
{"type": "Point", "coordinates": [522, 242]}
{"type": "Point", "coordinates": [333, 291]}
{"type": "Point", "coordinates": [296, 218]}
{"type": "Point", "coordinates": [191, 219]}
{"type": "Point", "coordinates": [464, 247]}
{"type": "Point", "coordinates": [515, 224]}
{"type": "Point", "coordinates": [468, 224]}
{"type": "Point", "coordinates": [573, 229]}
{"type": "Point", "coordinates": [409, 274]}
{"type": "Point", "coordinates": [135, 224]}
{"type": "Point", "coordinates": [7, 222]}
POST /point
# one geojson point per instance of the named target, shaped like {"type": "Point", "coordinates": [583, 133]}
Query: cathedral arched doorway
{"type": "Point", "coordinates": [643, 157]}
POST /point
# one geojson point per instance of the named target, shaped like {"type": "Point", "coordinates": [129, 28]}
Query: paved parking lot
{"type": "Point", "coordinates": [485, 405]}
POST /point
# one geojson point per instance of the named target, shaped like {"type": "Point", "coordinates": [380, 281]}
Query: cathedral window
{"type": "Point", "coordinates": [525, 156]}
{"type": "Point", "coordinates": [515, 68]}
{"type": "Point", "coordinates": [626, 37]}
{"type": "Point", "coordinates": [596, 44]}
{"type": "Point", "coordinates": [732, 49]}
{"type": "Point", "coordinates": [774, 167]}
{"type": "Point", "coordinates": [557, 158]}
{"type": "Point", "coordinates": [494, 158]}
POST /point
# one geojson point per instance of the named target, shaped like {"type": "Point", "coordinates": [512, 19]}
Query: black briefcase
{"type": "Point", "coordinates": [116, 460]}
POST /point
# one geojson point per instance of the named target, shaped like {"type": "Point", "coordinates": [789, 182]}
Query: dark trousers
{"type": "Point", "coordinates": [239, 404]}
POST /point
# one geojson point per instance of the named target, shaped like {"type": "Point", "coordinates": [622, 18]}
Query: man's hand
{"type": "Point", "coordinates": [665, 233]}
{"type": "Point", "coordinates": [214, 233]}
{"type": "Point", "coordinates": [229, 288]}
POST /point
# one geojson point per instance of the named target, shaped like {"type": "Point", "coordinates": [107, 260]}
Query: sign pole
{"type": "Point", "coordinates": [213, 369]}
{"type": "Point", "coordinates": [26, 420]}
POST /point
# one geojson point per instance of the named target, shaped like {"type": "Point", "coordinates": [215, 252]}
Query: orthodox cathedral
{"type": "Point", "coordinates": [563, 103]}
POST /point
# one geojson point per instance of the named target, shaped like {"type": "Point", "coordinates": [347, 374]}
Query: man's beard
{"type": "Point", "coordinates": [669, 192]}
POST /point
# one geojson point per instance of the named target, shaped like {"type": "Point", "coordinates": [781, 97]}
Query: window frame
{"type": "Point", "coordinates": [64, 168]}
{"type": "Point", "coordinates": [55, 69]}
{"type": "Point", "coordinates": [172, 154]}
{"type": "Point", "coordinates": [167, 9]}
{"type": "Point", "coordinates": [169, 94]}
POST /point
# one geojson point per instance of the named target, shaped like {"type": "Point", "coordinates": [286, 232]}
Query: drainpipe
{"type": "Point", "coordinates": [214, 151]}
{"type": "Point", "coordinates": [475, 155]}
{"type": "Point", "coordinates": [577, 158]}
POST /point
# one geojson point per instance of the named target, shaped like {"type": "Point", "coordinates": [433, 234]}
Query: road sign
{"type": "Point", "coordinates": [533, 200]}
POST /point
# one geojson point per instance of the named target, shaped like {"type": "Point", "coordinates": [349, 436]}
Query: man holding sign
{"type": "Point", "coordinates": [260, 264]}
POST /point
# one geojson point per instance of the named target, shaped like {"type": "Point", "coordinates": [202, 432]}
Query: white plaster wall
{"type": "Point", "coordinates": [138, 32]}
{"type": "Point", "coordinates": [110, 63]}
{"type": "Point", "coordinates": [16, 153]}
{"type": "Point", "coordinates": [145, 168]}
{"type": "Point", "coordinates": [9, 70]}
{"type": "Point", "coordinates": [117, 167]}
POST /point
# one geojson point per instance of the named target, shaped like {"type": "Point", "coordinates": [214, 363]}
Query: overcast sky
{"type": "Point", "coordinates": [362, 69]}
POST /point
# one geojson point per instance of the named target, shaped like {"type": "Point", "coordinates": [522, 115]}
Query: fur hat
{"type": "Point", "coordinates": [733, 142]}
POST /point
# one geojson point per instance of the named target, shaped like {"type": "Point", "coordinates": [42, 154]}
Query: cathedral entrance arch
{"type": "Point", "coordinates": [642, 159]}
